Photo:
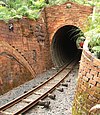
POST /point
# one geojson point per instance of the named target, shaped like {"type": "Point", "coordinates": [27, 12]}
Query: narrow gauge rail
{"type": "Point", "coordinates": [26, 101]}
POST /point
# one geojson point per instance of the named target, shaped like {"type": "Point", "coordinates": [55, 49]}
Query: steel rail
{"type": "Point", "coordinates": [32, 97]}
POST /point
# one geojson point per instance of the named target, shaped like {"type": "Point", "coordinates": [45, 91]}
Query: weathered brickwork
{"type": "Point", "coordinates": [60, 16]}
{"type": "Point", "coordinates": [25, 48]}
{"type": "Point", "coordinates": [23, 51]}
{"type": "Point", "coordinates": [88, 89]}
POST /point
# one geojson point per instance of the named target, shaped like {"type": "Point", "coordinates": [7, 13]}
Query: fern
{"type": "Point", "coordinates": [30, 8]}
{"type": "Point", "coordinates": [95, 40]}
{"type": "Point", "coordinates": [19, 8]}
{"type": "Point", "coordinates": [96, 50]}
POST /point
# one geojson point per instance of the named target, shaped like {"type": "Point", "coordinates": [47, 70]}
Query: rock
{"type": "Point", "coordinates": [52, 96]}
{"type": "Point", "coordinates": [44, 103]}
{"type": "Point", "coordinates": [68, 80]}
{"type": "Point", "coordinates": [60, 89]}
{"type": "Point", "coordinates": [25, 91]}
{"type": "Point", "coordinates": [64, 84]}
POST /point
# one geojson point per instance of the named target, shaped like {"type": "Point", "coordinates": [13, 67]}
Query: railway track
{"type": "Point", "coordinates": [26, 101]}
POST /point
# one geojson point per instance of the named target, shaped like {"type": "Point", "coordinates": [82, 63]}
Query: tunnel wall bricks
{"type": "Point", "coordinates": [88, 88]}
{"type": "Point", "coordinates": [31, 40]}
{"type": "Point", "coordinates": [60, 16]}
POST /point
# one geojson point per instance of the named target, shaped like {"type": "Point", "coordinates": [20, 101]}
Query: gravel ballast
{"type": "Point", "coordinates": [62, 104]}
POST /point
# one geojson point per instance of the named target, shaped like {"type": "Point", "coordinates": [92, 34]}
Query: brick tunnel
{"type": "Point", "coordinates": [63, 46]}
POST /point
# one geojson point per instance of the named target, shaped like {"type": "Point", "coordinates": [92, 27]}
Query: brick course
{"type": "Point", "coordinates": [60, 16]}
{"type": "Point", "coordinates": [29, 43]}
{"type": "Point", "coordinates": [88, 88]}
{"type": "Point", "coordinates": [21, 49]}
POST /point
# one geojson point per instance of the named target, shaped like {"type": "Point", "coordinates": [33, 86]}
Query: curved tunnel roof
{"type": "Point", "coordinates": [63, 46]}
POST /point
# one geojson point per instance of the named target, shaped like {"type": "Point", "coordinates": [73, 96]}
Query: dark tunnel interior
{"type": "Point", "coordinates": [63, 46]}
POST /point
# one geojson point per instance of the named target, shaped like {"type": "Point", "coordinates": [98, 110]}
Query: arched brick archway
{"type": "Point", "coordinates": [58, 18]}
{"type": "Point", "coordinates": [34, 38]}
{"type": "Point", "coordinates": [6, 49]}
{"type": "Point", "coordinates": [63, 44]}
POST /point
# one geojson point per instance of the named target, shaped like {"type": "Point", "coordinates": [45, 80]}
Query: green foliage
{"type": "Point", "coordinates": [87, 2]}
{"type": "Point", "coordinates": [94, 44]}
{"type": "Point", "coordinates": [16, 9]}
{"type": "Point", "coordinates": [19, 8]}
{"type": "Point", "coordinates": [96, 50]}
{"type": "Point", "coordinates": [93, 32]}
{"type": "Point", "coordinates": [77, 35]}
{"type": "Point", "coordinates": [95, 40]}
{"type": "Point", "coordinates": [4, 13]}
{"type": "Point", "coordinates": [55, 2]}
{"type": "Point", "coordinates": [84, 2]}
{"type": "Point", "coordinates": [30, 8]}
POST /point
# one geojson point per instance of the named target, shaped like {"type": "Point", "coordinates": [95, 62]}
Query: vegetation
{"type": "Point", "coordinates": [16, 9]}
{"type": "Point", "coordinates": [85, 2]}
{"type": "Point", "coordinates": [12, 9]}
{"type": "Point", "coordinates": [93, 32]}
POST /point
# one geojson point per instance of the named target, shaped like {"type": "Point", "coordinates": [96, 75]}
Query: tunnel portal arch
{"type": "Point", "coordinates": [63, 44]}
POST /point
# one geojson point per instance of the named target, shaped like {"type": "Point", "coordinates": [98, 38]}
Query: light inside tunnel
{"type": "Point", "coordinates": [63, 46]}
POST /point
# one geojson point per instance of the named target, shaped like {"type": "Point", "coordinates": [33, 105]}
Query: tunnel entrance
{"type": "Point", "coordinates": [63, 46]}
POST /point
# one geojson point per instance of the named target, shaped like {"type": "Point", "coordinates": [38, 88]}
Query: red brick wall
{"type": "Point", "coordinates": [60, 16]}
{"type": "Point", "coordinates": [88, 88]}
{"type": "Point", "coordinates": [25, 51]}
